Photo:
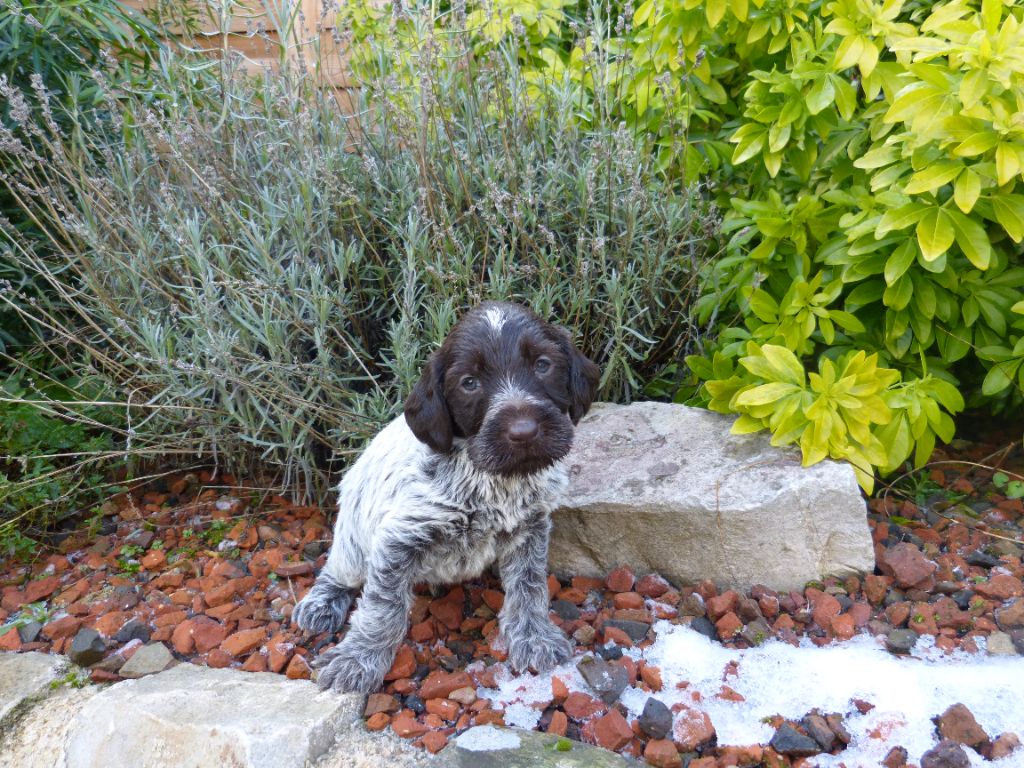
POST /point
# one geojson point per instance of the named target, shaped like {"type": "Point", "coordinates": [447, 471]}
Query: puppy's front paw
{"type": "Point", "coordinates": [352, 667]}
{"type": "Point", "coordinates": [540, 650]}
{"type": "Point", "coordinates": [323, 609]}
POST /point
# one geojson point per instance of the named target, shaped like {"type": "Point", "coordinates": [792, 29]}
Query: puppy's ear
{"type": "Point", "coordinates": [584, 377]}
{"type": "Point", "coordinates": [426, 411]}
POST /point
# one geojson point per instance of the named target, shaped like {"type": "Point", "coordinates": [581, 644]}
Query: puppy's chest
{"type": "Point", "coordinates": [475, 541]}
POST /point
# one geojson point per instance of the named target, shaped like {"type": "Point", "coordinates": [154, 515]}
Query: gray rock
{"type": "Point", "coordinates": [606, 680]}
{"type": "Point", "coordinates": [636, 630]}
{"type": "Point", "coordinates": [818, 729]}
{"type": "Point", "coordinates": [87, 648]}
{"type": "Point", "coordinates": [1000, 644]}
{"type": "Point", "coordinates": [29, 631]}
{"type": "Point", "coordinates": [756, 632]}
{"type": "Point", "coordinates": [901, 640]}
{"type": "Point", "coordinates": [198, 716]}
{"type": "Point", "coordinates": [134, 629]}
{"type": "Point", "coordinates": [667, 489]}
{"type": "Point", "coordinates": [656, 719]}
{"type": "Point", "coordinates": [705, 627]}
{"type": "Point", "coordinates": [565, 610]}
{"type": "Point", "coordinates": [486, 746]}
{"type": "Point", "coordinates": [946, 754]}
{"type": "Point", "coordinates": [148, 660]}
{"type": "Point", "coordinates": [789, 741]}
{"type": "Point", "coordinates": [25, 677]}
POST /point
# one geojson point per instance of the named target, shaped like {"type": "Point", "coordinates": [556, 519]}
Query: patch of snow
{"type": "Point", "coordinates": [779, 679]}
{"type": "Point", "coordinates": [485, 738]}
{"type": "Point", "coordinates": [521, 715]}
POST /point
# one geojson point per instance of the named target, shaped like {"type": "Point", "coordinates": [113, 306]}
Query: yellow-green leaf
{"type": "Point", "coordinates": [973, 87]}
{"type": "Point", "coordinates": [978, 144]}
{"type": "Point", "coordinates": [1007, 162]}
{"type": "Point", "coordinates": [1009, 212]}
{"type": "Point", "coordinates": [766, 394]}
{"type": "Point", "coordinates": [715, 10]}
{"type": "Point", "coordinates": [935, 233]}
{"type": "Point", "coordinates": [932, 177]}
{"type": "Point", "coordinates": [971, 238]}
{"type": "Point", "coordinates": [966, 190]}
{"type": "Point", "coordinates": [784, 363]}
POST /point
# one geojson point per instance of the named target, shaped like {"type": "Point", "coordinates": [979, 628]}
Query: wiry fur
{"type": "Point", "coordinates": [447, 489]}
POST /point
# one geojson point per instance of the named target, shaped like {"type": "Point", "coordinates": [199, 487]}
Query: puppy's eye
{"type": "Point", "coordinates": [469, 383]}
{"type": "Point", "coordinates": [543, 365]}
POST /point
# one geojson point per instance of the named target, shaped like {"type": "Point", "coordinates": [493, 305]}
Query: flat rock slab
{"type": "Point", "coordinates": [486, 746]}
{"type": "Point", "coordinates": [195, 716]}
{"type": "Point", "coordinates": [25, 677]}
{"type": "Point", "coordinates": [666, 488]}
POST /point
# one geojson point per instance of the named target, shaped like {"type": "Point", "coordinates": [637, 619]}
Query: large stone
{"type": "Point", "coordinates": [25, 677]}
{"type": "Point", "coordinates": [485, 746]}
{"type": "Point", "coordinates": [199, 716]}
{"type": "Point", "coordinates": [668, 489]}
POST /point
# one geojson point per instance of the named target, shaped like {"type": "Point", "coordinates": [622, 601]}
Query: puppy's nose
{"type": "Point", "coordinates": [523, 430]}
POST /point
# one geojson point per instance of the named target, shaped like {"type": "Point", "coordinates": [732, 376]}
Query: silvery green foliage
{"type": "Point", "coordinates": [257, 276]}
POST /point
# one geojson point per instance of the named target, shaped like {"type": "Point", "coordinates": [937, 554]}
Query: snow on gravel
{"type": "Point", "coordinates": [779, 679]}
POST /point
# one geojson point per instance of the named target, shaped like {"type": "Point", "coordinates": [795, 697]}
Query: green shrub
{"type": "Point", "coordinates": [868, 156]}
{"type": "Point", "coordinates": [50, 466]}
{"type": "Point", "coordinates": [257, 278]}
{"type": "Point", "coordinates": [56, 47]}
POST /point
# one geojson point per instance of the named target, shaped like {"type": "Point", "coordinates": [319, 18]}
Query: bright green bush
{"type": "Point", "coordinates": [257, 279]}
{"type": "Point", "coordinates": [869, 158]}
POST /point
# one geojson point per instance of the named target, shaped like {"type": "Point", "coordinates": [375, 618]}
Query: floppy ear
{"type": "Point", "coordinates": [426, 411]}
{"type": "Point", "coordinates": [584, 377]}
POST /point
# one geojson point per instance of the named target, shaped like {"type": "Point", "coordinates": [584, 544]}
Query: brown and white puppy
{"type": "Point", "coordinates": [466, 477]}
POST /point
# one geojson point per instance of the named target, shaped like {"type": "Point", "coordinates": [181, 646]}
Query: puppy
{"type": "Point", "coordinates": [466, 477]}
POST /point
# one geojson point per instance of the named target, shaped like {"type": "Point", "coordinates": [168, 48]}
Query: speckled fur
{"type": "Point", "coordinates": [423, 510]}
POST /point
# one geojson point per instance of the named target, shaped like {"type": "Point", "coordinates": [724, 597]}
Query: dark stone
{"type": "Point", "coordinates": [87, 648]}
{"type": "Point", "coordinates": [895, 758]}
{"type": "Point", "coordinates": [789, 741]}
{"type": "Point", "coordinates": [900, 640]}
{"type": "Point", "coordinates": [947, 587]}
{"type": "Point", "coordinates": [415, 703]}
{"type": "Point", "coordinates": [705, 627]}
{"type": "Point", "coordinates": [962, 598]}
{"type": "Point", "coordinates": [982, 560]}
{"type": "Point", "coordinates": [637, 630]}
{"type": "Point", "coordinates": [756, 632]}
{"type": "Point", "coordinates": [132, 630]}
{"type": "Point", "coordinates": [749, 611]}
{"type": "Point", "coordinates": [609, 652]}
{"type": "Point", "coordinates": [817, 728]}
{"type": "Point", "coordinates": [844, 602]}
{"type": "Point", "coordinates": [879, 627]}
{"type": "Point", "coordinates": [422, 670]}
{"type": "Point", "coordinates": [450, 663]}
{"type": "Point", "coordinates": [606, 680]}
{"type": "Point", "coordinates": [893, 596]}
{"type": "Point", "coordinates": [313, 550]}
{"type": "Point", "coordinates": [835, 722]}
{"type": "Point", "coordinates": [565, 610]}
{"type": "Point", "coordinates": [140, 537]}
{"type": "Point", "coordinates": [124, 598]}
{"type": "Point", "coordinates": [946, 754]}
{"type": "Point", "coordinates": [656, 719]}
{"type": "Point", "coordinates": [29, 632]}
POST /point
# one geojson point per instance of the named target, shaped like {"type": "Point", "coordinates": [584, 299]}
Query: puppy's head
{"type": "Point", "coordinates": [510, 384]}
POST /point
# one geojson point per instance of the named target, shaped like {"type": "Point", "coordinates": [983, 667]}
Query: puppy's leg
{"type": "Point", "coordinates": [379, 623]}
{"type": "Point", "coordinates": [532, 640]}
{"type": "Point", "coordinates": [324, 607]}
